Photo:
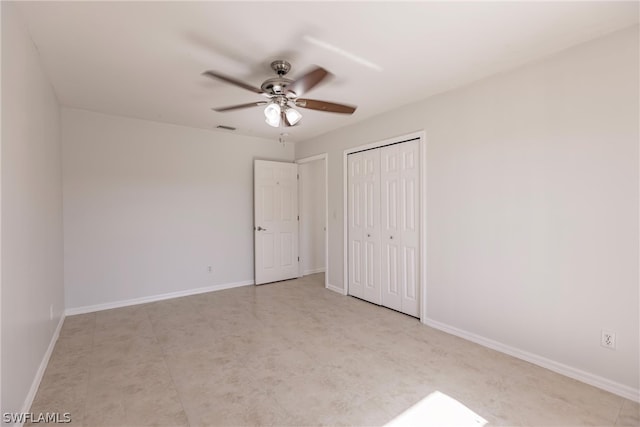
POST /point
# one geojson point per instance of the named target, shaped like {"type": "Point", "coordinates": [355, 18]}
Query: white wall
{"type": "Point", "coordinates": [149, 206]}
{"type": "Point", "coordinates": [532, 205]}
{"type": "Point", "coordinates": [312, 216]}
{"type": "Point", "coordinates": [31, 218]}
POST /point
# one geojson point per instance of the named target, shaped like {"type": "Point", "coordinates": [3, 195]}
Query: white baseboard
{"type": "Point", "coordinates": [335, 289]}
{"type": "Point", "coordinates": [153, 298]}
{"type": "Point", "coordinates": [313, 271]}
{"type": "Point", "coordinates": [560, 368]}
{"type": "Point", "coordinates": [40, 372]}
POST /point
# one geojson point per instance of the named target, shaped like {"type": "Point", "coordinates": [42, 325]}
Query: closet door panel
{"type": "Point", "coordinates": [400, 231]}
{"type": "Point", "coordinates": [356, 226]}
{"type": "Point", "coordinates": [390, 227]}
{"type": "Point", "coordinates": [409, 226]}
{"type": "Point", "coordinates": [364, 219]}
{"type": "Point", "coordinates": [372, 225]}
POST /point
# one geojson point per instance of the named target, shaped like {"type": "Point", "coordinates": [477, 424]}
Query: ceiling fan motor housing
{"type": "Point", "coordinates": [275, 86]}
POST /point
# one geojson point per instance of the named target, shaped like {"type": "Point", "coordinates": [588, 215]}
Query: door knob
{"type": "Point", "coordinates": [261, 229]}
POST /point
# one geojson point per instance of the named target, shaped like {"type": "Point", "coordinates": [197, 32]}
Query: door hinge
{"type": "Point", "coordinates": [298, 217]}
{"type": "Point", "coordinates": [298, 175]}
{"type": "Point", "coordinates": [298, 259]}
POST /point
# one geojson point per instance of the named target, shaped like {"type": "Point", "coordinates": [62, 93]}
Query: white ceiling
{"type": "Point", "coordinates": [145, 59]}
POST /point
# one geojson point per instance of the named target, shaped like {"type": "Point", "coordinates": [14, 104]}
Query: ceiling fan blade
{"type": "Point", "coordinates": [308, 81]}
{"type": "Point", "coordinates": [233, 81]}
{"type": "Point", "coordinates": [238, 107]}
{"type": "Point", "coordinates": [330, 107]}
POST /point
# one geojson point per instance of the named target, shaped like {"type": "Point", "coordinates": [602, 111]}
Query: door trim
{"type": "Point", "coordinates": [325, 157]}
{"type": "Point", "coordinates": [421, 135]}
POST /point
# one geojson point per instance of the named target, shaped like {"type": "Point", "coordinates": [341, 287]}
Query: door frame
{"type": "Point", "coordinates": [421, 135]}
{"type": "Point", "coordinates": [310, 159]}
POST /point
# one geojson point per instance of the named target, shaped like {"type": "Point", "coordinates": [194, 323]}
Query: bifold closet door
{"type": "Point", "coordinates": [399, 176]}
{"type": "Point", "coordinates": [364, 225]}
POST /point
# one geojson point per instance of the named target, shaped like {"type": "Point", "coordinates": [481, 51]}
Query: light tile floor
{"type": "Point", "coordinates": [293, 353]}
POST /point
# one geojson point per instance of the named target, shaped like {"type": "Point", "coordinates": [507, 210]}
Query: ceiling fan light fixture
{"type": "Point", "coordinates": [272, 115]}
{"type": "Point", "coordinates": [293, 116]}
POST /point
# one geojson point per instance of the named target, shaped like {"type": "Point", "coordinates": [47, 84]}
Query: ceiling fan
{"type": "Point", "coordinates": [283, 94]}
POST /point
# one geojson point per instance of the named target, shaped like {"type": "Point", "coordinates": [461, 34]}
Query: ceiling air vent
{"type": "Point", "coordinates": [225, 127]}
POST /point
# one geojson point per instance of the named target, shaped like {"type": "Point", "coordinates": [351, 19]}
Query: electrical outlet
{"type": "Point", "coordinates": [608, 339]}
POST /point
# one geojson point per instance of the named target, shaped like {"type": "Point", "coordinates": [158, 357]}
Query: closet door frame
{"type": "Point", "coordinates": [422, 143]}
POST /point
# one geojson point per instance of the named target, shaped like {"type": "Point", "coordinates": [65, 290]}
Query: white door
{"type": "Point", "coordinates": [275, 233]}
{"type": "Point", "coordinates": [364, 225]}
{"type": "Point", "coordinates": [399, 227]}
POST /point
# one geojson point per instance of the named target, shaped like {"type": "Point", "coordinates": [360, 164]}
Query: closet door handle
{"type": "Point", "coordinates": [368, 235]}
{"type": "Point", "coordinates": [391, 237]}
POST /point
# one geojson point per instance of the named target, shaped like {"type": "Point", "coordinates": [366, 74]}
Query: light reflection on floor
{"type": "Point", "coordinates": [438, 410]}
